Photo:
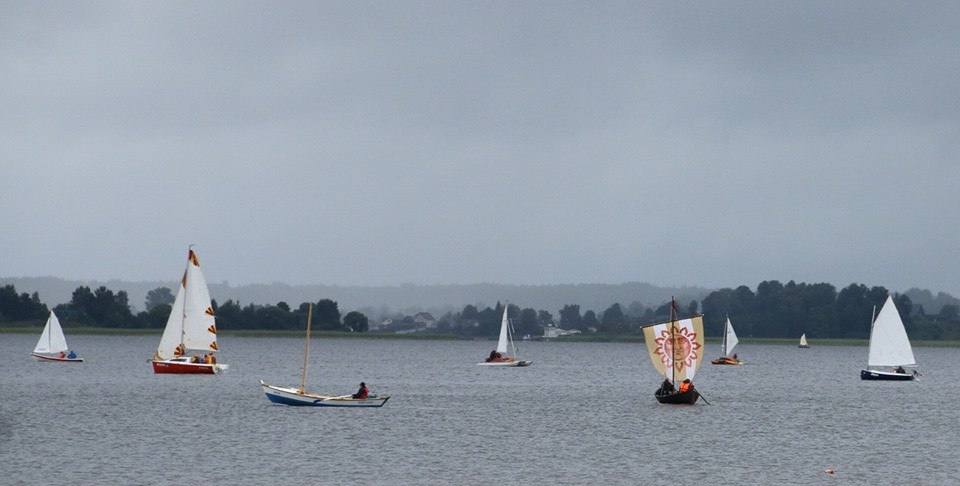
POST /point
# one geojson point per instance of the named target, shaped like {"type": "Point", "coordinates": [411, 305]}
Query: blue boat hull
{"type": "Point", "coordinates": [884, 376]}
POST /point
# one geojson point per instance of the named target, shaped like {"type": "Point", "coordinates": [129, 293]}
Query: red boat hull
{"type": "Point", "coordinates": [183, 368]}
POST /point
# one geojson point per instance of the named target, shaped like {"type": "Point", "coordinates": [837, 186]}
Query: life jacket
{"type": "Point", "coordinates": [685, 386]}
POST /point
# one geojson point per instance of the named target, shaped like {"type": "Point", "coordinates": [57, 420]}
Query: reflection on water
{"type": "Point", "coordinates": [582, 413]}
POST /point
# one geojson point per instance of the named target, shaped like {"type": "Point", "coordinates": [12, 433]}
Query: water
{"type": "Point", "coordinates": [582, 413]}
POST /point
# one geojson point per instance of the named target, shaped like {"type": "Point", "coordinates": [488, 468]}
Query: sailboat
{"type": "Point", "coordinates": [190, 327]}
{"type": "Point", "coordinates": [299, 396]}
{"type": "Point", "coordinates": [889, 347]}
{"type": "Point", "coordinates": [729, 342]}
{"type": "Point", "coordinates": [53, 343]}
{"type": "Point", "coordinates": [803, 341]}
{"type": "Point", "coordinates": [498, 357]}
{"type": "Point", "coordinates": [676, 350]}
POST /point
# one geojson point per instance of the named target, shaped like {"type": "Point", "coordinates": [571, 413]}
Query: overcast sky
{"type": "Point", "coordinates": [714, 144]}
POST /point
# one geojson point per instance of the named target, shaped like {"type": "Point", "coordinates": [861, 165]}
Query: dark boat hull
{"type": "Point", "coordinates": [724, 360]}
{"type": "Point", "coordinates": [885, 376]}
{"type": "Point", "coordinates": [688, 397]}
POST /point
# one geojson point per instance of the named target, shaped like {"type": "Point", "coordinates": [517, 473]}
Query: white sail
{"type": "Point", "coordinates": [52, 339]}
{"type": "Point", "coordinates": [803, 339]}
{"type": "Point", "coordinates": [729, 339]}
{"type": "Point", "coordinates": [889, 344]}
{"type": "Point", "coordinates": [173, 333]}
{"type": "Point", "coordinates": [676, 347]}
{"type": "Point", "coordinates": [199, 328]}
{"type": "Point", "coordinates": [504, 331]}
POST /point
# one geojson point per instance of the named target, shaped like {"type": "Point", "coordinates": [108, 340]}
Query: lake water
{"type": "Point", "coordinates": [582, 413]}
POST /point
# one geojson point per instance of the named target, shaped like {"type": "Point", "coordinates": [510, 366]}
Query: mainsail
{"type": "Point", "coordinates": [889, 344]}
{"type": "Point", "coordinates": [191, 324]}
{"type": "Point", "coordinates": [504, 330]}
{"type": "Point", "coordinates": [52, 339]}
{"type": "Point", "coordinates": [676, 347]}
{"type": "Point", "coordinates": [729, 339]}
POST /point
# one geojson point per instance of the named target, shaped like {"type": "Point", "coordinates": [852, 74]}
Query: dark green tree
{"type": "Point", "coordinates": [356, 322]}
{"type": "Point", "coordinates": [326, 315]}
{"type": "Point", "coordinates": [158, 296]}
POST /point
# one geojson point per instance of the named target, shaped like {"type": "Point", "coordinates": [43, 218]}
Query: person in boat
{"type": "Point", "coordinates": [735, 357]}
{"type": "Point", "coordinates": [61, 355]}
{"type": "Point", "coordinates": [900, 370]}
{"type": "Point", "coordinates": [362, 392]}
{"type": "Point", "coordinates": [72, 355]}
{"type": "Point", "coordinates": [494, 357]}
{"type": "Point", "coordinates": [666, 387]}
{"type": "Point", "coordinates": [194, 359]}
{"type": "Point", "coordinates": [687, 385]}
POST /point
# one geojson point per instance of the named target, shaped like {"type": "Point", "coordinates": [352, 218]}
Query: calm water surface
{"type": "Point", "coordinates": [582, 413]}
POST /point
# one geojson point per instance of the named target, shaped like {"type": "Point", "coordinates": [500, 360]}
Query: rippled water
{"type": "Point", "coordinates": [582, 413]}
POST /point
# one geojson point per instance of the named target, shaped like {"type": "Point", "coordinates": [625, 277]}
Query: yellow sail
{"type": "Point", "coordinates": [676, 347]}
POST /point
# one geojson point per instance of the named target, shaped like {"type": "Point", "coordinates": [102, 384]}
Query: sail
{"type": "Point", "coordinates": [199, 328]}
{"type": "Point", "coordinates": [504, 324]}
{"type": "Point", "coordinates": [803, 339]}
{"type": "Point", "coordinates": [676, 347]}
{"type": "Point", "coordinates": [52, 339]}
{"type": "Point", "coordinates": [173, 333]}
{"type": "Point", "coordinates": [729, 339]}
{"type": "Point", "coordinates": [889, 344]}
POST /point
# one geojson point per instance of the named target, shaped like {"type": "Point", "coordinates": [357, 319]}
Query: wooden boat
{"type": "Point", "coordinates": [190, 327]}
{"type": "Point", "coordinates": [300, 397]}
{"type": "Point", "coordinates": [499, 357]}
{"type": "Point", "coordinates": [889, 347]}
{"type": "Point", "coordinates": [676, 351]}
{"type": "Point", "coordinates": [803, 341]}
{"type": "Point", "coordinates": [53, 344]}
{"type": "Point", "coordinates": [729, 342]}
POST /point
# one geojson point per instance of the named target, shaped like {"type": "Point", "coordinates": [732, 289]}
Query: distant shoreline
{"type": "Point", "coordinates": [629, 338]}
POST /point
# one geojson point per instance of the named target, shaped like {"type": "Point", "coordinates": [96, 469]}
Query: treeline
{"type": "Point", "coordinates": [773, 310]}
{"type": "Point", "coordinates": [776, 310]}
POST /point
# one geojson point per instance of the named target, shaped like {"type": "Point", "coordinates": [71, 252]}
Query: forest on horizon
{"type": "Point", "coordinates": [772, 310]}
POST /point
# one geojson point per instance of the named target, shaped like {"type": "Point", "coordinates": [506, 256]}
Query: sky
{"type": "Point", "coordinates": [714, 144]}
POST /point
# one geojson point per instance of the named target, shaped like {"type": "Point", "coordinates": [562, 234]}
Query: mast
{"type": "Point", "coordinates": [306, 351]}
{"type": "Point", "coordinates": [873, 320]}
{"type": "Point", "coordinates": [673, 340]}
{"type": "Point", "coordinates": [725, 325]}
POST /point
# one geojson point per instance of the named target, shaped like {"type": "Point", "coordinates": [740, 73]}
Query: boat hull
{"type": "Point", "coordinates": [688, 397]}
{"type": "Point", "coordinates": [874, 375]}
{"type": "Point", "coordinates": [723, 360]}
{"type": "Point", "coordinates": [182, 368]}
{"type": "Point", "coordinates": [514, 363]}
{"type": "Point", "coordinates": [55, 359]}
{"type": "Point", "coordinates": [292, 396]}
{"type": "Point", "coordinates": [803, 346]}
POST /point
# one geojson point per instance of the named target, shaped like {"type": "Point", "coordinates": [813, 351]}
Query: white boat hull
{"type": "Point", "coordinates": [51, 359]}
{"type": "Point", "coordinates": [506, 363]}
{"type": "Point", "coordinates": [293, 396]}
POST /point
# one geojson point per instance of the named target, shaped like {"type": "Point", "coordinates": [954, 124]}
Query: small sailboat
{"type": "Point", "coordinates": [889, 347]}
{"type": "Point", "coordinates": [53, 344]}
{"type": "Point", "coordinates": [729, 342]}
{"type": "Point", "coordinates": [190, 327]}
{"type": "Point", "coordinates": [299, 396]}
{"type": "Point", "coordinates": [803, 341]}
{"type": "Point", "coordinates": [498, 357]}
{"type": "Point", "coordinates": [676, 350]}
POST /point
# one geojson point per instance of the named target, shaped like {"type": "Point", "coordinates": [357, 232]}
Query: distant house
{"type": "Point", "coordinates": [551, 332]}
{"type": "Point", "coordinates": [425, 320]}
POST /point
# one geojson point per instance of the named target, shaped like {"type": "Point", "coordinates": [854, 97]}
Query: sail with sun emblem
{"type": "Point", "coordinates": [190, 327]}
{"type": "Point", "coordinates": [676, 348]}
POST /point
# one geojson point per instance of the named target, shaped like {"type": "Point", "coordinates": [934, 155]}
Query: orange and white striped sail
{"type": "Point", "coordinates": [676, 348]}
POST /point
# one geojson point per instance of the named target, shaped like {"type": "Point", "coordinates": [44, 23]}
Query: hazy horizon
{"type": "Point", "coordinates": [440, 143]}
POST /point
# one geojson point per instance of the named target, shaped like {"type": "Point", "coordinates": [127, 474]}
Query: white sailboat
{"type": "Point", "coordinates": [889, 347]}
{"type": "Point", "coordinates": [727, 356]}
{"type": "Point", "coordinates": [499, 356]}
{"type": "Point", "coordinates": [803, 341]}
{"type": "Point", "coordinates": [299, 396]}
{"type": "Point", "coordinates": [53, 344]}
{"type": "Point", "coordinates": [190, 327]}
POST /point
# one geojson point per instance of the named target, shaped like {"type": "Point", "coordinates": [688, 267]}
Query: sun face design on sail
{"type": "Point", "coordinates": [686, 352]}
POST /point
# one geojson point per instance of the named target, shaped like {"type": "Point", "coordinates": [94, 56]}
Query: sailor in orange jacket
{"type": "Point", "coordinates": [686, 385]}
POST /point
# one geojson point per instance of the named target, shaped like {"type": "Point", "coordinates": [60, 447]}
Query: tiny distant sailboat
{"type": "Point", "coordinates": [889, 347]}
{"type": "Point", "coordinates": [53, 344]}
{"type": "Point", "coordinates": [499, 357]}
{"type": "Point", "coordinates": [676, 350]}
{"type": "Point", "coordinates": [729, 342]}
{"type": "Point", "coordinates": [190, 327]}
{"type": "Point", "coordinates": [803, 341]}
{"type": "Point", "coordinates": [299, 396]}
